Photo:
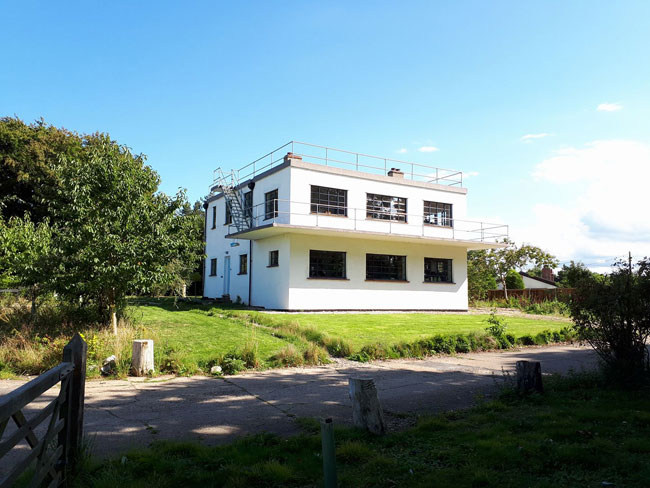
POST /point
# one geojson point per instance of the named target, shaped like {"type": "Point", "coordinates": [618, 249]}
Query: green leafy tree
{"type": "Point", "coordinates": [570, 275]}
{"type": "Point", "coordinates": [511, 256]}
{"type": "Point", "coordinates": [115, 232]}
{"type": "Point", "coordinates": [480, 277]}
{"type": "Point", "coordinates": [25, 253]}
{"type": "Point", "coordinates": [514, 281]}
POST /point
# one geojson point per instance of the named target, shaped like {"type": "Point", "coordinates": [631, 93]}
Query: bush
{"type": "Point", "coordinates": [613, 315]}
{"type": "Point", "coordinates": [288, 356]}
{"type": "Point", "coordinates": [514, 281]}
{"type": "Point", "coordinates": [497, 329]}
{"type": "Point", "coordinates": [231, 364]}
{"type": "Point", "coordinates": [526, 340]}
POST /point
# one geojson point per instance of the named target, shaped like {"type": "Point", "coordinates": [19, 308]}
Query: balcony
{"type": "Point", "coordinates": [278, 217]}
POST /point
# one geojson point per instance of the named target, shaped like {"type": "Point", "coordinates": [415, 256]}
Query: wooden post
{"type": "Point", "coordinates": [529, 377]}
{"type": "Point", "coordinates": [366, 409]}
{"type": "Point", "coordinates": [142, 359]}
{"type": "Point", "coordinates": [329, 453]}
{"type": "Point", "coordinates": [75, 352]}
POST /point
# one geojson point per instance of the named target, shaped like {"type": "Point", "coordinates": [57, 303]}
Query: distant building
{"type": "Point", "coordinates": [546, 281]}
{"type": "Point", "coordinates": [313, 228]}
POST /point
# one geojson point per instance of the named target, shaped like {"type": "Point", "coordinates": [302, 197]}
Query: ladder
{"type": "Point", "coordinates": [228, 184]}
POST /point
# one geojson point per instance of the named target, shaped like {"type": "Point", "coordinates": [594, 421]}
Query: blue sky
{"type": "Point", "coordinates": [196, 85]}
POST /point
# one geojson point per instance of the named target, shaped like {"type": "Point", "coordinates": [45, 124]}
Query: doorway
{"type": "Point", "coordinates": [226, 276]}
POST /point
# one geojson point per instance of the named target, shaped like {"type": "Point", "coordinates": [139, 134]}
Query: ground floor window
{"type": "Point", "coordinates": [326, 264]}
{"type": "Point", "coordinates": [437, 270]}
{"type": "Point", "coordinates": [213, 267]}
{"type": "Point", "coordinates": [274, 258]}
{"type": "Point", "coordinates": [385, 267]}
{"type": "Point", "coordinates": [243, 264]}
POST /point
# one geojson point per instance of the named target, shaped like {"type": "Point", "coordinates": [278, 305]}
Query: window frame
{"type": "Point", "coordinates": [379, 212]}
{"type": "Point", "coordinates": [214, 216]}
{"type": "Point", "coordinates": [336, 210]}
{"type": "Point", "coordinates": [228, 219]}
{"type": "Point", "coordinates": [213, 267]}
{"type": "Point", "coordinates": [243, 264]}
{"type": "Point", "coordinates": [438, 211]}
{"type": "Point", "coordinates": [248, 205]}
{"type": "Point", "coordinates": [313, 255]}
{"type": "Point", "coordinates": [274, 263]}
{"type": "Point", "coordinates": [401, 274]}
{"type": "Point", "coordinates": [271, 213]}
{"type": "Point", "coordinates": [428, 265]}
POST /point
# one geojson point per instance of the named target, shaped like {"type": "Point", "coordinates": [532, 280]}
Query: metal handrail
{"type": "Point", "coordinates": [431, 174]}
{"type": "Point", "coordinates": [280, 209]}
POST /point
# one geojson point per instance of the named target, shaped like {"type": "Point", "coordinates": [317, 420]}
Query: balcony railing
{"type": "Point", "coordinates": [333, 217]}
{"type": "Point", "coordinates": [339, 158]}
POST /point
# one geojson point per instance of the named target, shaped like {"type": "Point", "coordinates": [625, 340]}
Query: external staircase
{"type": "Point", "coordinates": [228, 184]}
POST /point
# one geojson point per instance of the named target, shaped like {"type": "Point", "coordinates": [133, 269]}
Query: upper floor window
{"type": "Point", "coordinates": [214, 216]}
{"type": "Point", "coordinates": [436, 213]}
{"type": "Point", "coordinates": [385, 267]}
{"type": "Point", "coordinates": [385, 207]}
{"type": "Point", "coordinates": [228, 215]}
{"type": "Point", "coordinates": [274, 259]}
{"type": "Point", "coordinates": [326, 264]}
{"type": "Point", "coordinates": [332, 201]}
{"type": "Point", "coordinates": [213, 267]}
{"type": "Point", "coordinates": [271, 205]}
{"type": "Point", "coordinates": [243, 264]}
{"type": "Point", "coordinates": [248, 204]}
{"type": "Point", "coordinates": [437, 270]}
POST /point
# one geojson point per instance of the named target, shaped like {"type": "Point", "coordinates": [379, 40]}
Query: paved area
{"type": "Point", "coordinates": [121, 414]}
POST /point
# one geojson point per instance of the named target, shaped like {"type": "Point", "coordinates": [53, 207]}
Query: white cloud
{"type": "Point", "coordinates": [609, 107]}
{"type": "Point", "coordinates": [469, 174]}
{"type": "Point", "coordinates": [402, 150]}
{"type": "Point", "coordinates": [531, 137]}
{"type": "Point", "coordinates": [607, 215]}
{"type": "Point", "coordinates": [428, 149]}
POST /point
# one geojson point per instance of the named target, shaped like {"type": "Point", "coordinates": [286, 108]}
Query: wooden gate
{"type": "Point", "coordinates": [54, 453]}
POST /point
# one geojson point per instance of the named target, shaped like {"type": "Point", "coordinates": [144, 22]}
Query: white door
{"type": "Point", "coordinates": [226, 275]}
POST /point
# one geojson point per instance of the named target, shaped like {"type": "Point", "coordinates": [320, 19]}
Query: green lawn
{"type": "Point", "coordinates": [363, 329]}
{"type": "Point", "coordinates": [579, 433]}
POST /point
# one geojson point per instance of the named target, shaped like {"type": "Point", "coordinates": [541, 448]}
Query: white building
{"type": "Point", "coordinates": [313, 228]}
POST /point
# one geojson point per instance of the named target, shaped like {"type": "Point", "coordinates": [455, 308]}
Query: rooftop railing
{"type": "Point", "coordinates": [340, 218]}
{"type": "Point", "coordinates": [340, 158]}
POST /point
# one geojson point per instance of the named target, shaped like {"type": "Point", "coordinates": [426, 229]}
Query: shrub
{"type": "Point", "coordinates": [497, 329]}
{"type": "Point", "coordinates": [288, 356]}
{"type": "Point", "coordinates": [314, 354]}
{"type": "Point", "coordinates": [613, 315]}
{"type": "Point", "coordinates": [526, 340]}
{"type": "Point", "coordinates": [231, 364]}
{"type": "Point", "coordinates": [514, 281]}
{"type": "Point", "coordinates": [463, 344]}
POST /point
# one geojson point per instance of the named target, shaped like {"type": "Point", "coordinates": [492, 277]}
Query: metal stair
{"type": "Point", "coordinates": [228, 184]}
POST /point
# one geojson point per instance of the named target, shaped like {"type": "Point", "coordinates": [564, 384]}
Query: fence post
{"type": "Point", "coordinates": [329, 453]}
{"type": "Point", "coordinates": [75, 352]}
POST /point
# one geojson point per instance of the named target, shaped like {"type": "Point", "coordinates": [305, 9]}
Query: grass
{"type": "Point", "coordinates": [579, 433]}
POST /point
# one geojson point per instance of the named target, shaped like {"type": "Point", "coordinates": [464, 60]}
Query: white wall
{"type": "Point", "coordinates": [357, 293]}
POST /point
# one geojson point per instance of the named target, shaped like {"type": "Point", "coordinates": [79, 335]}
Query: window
{"type": "Point", "coordinates": [248, 205]}
{"type": "Point", "coordinates": [385, 207]}
{"type": "Point", "coordinates": [274, 259]}
{"type": "Point", "coordinates": [213, 267]}
{"type": "Point", "coordinates": [228, 215]}
{"type": "Point", "coordinates": [385, 267]}
{"type": "Point", "coordinates": [437, 270]}
{"type": "Point", "coordinates": [214, 216]}
{"type": "Point", "coordinates": [243, 264]}
{"type": "Point", "coordinates": [271, 205]}
{"type": "Point", "coordinates": [436, 213]}
{"type": "Point", "coordinates": [331, 201]}
{"type": "Point", "coordinates": [326, 264]}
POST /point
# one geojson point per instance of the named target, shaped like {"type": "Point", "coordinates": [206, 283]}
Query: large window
{"type": "Point", "coordinates": [385, 267]}
{"type": "Point", "coordinates": [436, 213]}
{"type": "Point", "coordinates": [243, 264]}
{"type": "Point", "coordinates": [274, 259]}
{"type": "Point", "coordinates": [248, 205]}
{"type": "Point", "coordinates": [271, 205]}
{"type": "Point", "coordinates": [385, 207]}
{"type": "Point", "coordinates": [326, 264]}
{"type": "Point", "coordinates": [213, 267]}
{"type": "Point", "coordinates": [331, 201]}
{"type": "Point", "coordinates": [437, 270]}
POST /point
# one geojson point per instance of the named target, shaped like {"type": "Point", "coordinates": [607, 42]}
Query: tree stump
{"type": "Point", "coordinates": [142, 359]}
{"type": "Point", "coordinates": [529, 377]}
{"type": "Point", "coordinates": [366, 410]}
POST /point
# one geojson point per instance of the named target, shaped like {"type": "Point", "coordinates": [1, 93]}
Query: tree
{"type": "Point", "coordinates": [115, 232]}
{"type": "Point", "coordinates": [504, 259]}
{"type": "Point", "coordinates": [25, 252]}
{"type": "Point", "coordinates": [612, 313]}
{"type": "Point", "coordinates": [570, 275]}
{"type": "Point", "coordinates": [480, 277]}
{"type": "Point", "coordinates": [514, 281]}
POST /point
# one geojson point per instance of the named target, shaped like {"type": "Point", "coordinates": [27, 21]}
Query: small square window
{"type": "Point", "coordinates": [274, 259]}
{"type": "Point", "coordinates": [213, 267]}
{"type": "Point", "coordinates": [437, 270]}
{"type": "Point", "coordinates": [243, 264]}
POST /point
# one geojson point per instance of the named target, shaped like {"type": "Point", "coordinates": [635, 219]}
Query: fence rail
{"type": "Point", "coordinates": [54, 453]}
{"type": "Point", "coordinates": [534, 295]}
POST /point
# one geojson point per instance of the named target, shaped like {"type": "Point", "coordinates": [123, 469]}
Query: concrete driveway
{"type": "Point", "coordinates": [121, 414]}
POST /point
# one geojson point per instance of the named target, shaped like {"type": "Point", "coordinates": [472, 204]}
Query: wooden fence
{"type": "Point", "coordinates": [54, 454]}
{"type": "Point", "coordinates": [534, 295]}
